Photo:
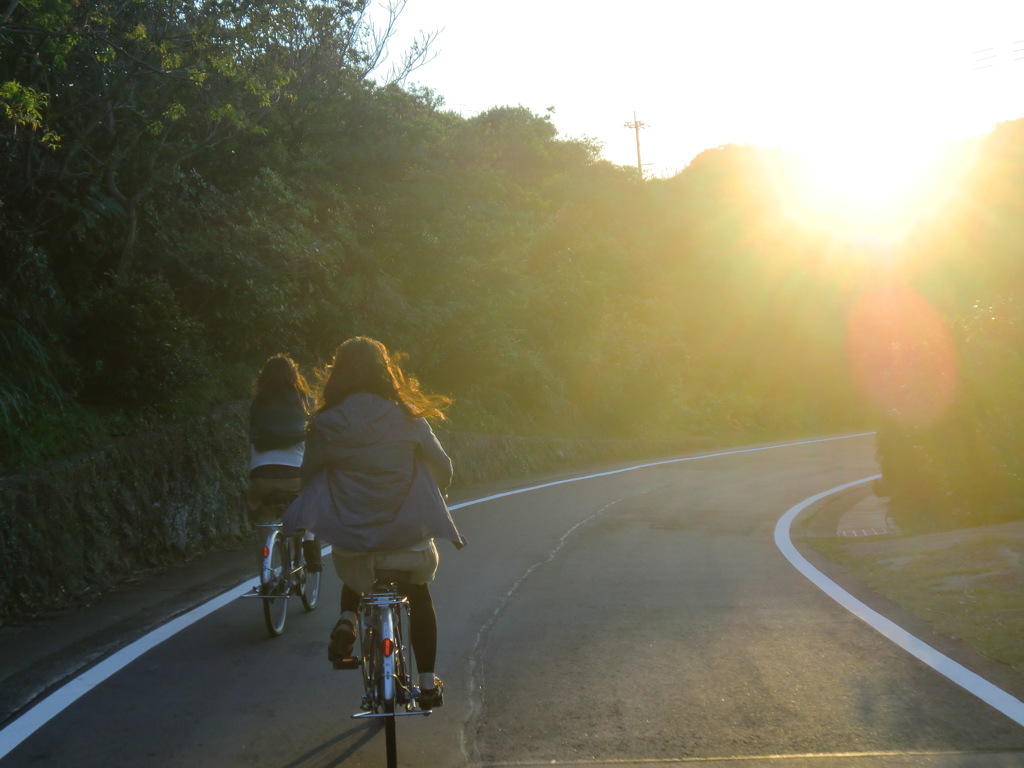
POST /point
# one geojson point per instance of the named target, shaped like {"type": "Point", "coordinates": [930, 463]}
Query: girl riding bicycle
{"type": "Point", "coordinates": [373, 475]}
{"type": "Point", "coordinates": [280, 407]}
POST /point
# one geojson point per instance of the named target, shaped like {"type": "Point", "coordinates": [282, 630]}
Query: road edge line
{"type": "Point", "coordinates": [648, 465]}
{"type": "Point", "coordinates": [971, 682]}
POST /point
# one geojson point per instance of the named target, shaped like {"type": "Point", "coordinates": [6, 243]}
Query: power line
{"type": "Point", "coordinates": [984, 55]}
{"type": "Point", "coordinates": [986, 58]}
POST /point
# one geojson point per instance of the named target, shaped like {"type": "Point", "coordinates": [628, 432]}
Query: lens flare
{"type": "Point", "coordinates": [901, 355]}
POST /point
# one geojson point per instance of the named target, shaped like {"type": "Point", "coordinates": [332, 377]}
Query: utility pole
{"type": "Point", "coordinates": [636, 125]}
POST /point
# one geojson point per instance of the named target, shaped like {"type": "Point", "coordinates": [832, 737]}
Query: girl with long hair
{"type": "Point", "coordinates": [281, 405]}
{"type": "Point", "coordinates": [373, 480]}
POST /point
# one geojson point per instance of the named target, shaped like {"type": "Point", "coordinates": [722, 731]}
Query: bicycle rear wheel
{"type": "Point", "coordinates": [275, 585]}
{"type": "Point", "coordinates": [389, 682]}
{"type": "Point", "coordinates": [310, 593]}
{"type": "Point", "coordinates": [390, 736]}
{"type": "Point", "coordinates": [370, 665]}
{"type": "Point", "coordinates": [404, 694]}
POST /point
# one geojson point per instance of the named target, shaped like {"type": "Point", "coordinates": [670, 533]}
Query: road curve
{"type": "Point", "coordinates": [640, 615]}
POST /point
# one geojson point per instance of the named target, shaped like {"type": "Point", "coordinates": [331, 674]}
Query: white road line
{"type": "Point", "coordinates": [40, 714]}
{"type": "Point", "coordinates": [657, 464]}
{"type": "Point", "coordinates": [56, 702]}
{"type": "Point", "coordinates": [969, 681]}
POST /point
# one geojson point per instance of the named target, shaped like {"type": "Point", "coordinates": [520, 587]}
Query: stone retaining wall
{"type": "Point", "coordinates": [77, 527]}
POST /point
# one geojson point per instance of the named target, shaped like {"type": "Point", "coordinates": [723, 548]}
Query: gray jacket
{"type": "Point", "coordinates": [371, 476]}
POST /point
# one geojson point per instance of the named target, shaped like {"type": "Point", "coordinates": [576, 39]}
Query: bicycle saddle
{"type": "Point", "coordinates": [278, 498]}
{"type": "Point", "coordinates": [385, 576]}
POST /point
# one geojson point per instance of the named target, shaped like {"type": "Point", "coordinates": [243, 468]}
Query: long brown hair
{"type": "Point", "coordinates": [362, 364]}
{"type": "Point", "coordinates": [280, 378]}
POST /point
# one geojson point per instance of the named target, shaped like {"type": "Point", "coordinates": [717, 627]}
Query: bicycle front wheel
{"type": "Point", "coordinates": [275, 600]}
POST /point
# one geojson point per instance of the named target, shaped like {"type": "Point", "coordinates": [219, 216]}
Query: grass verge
{"type": "Point", "coordinates": [968, 584]}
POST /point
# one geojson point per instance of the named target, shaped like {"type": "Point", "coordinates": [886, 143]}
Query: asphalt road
{"type": "Point", "coordinates": [632, 619]}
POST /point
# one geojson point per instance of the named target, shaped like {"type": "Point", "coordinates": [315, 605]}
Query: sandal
{"type": "Point", "coordinates": [431, 697]}
{"type": "Point", "coordinates": [343, 639]}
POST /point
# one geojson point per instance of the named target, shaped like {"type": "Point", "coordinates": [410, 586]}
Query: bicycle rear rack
{"type": "Point", "coordinates": [256, 593]}
{"type": "Point", "coordinates": [423, 712]}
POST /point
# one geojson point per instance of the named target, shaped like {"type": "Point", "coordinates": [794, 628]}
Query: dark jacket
{"type": "Point", "coordinates": [371, 475]}
{"type": "Point", "coordinates": [277, 421]}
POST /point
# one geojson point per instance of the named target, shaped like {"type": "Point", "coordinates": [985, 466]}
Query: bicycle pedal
{"type": "Point", "coordinates": [350, 662]}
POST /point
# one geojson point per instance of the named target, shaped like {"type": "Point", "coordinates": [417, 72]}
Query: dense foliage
{"type": "Point", "coordinates": [190, 187]}
{"type": "Point", "coordinates": [952, 448]}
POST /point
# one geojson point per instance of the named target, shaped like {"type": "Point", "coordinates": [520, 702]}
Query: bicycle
{"type": "Point", "coordinates": [390, 689]}
{"type": "Point", "coordinates": [283, 569]}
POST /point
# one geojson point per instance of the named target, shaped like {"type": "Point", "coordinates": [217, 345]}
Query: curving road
{"type": "Point", "coordinates": [635, 618]}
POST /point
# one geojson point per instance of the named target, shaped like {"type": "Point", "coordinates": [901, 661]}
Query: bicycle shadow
{"type": "Point", "coordinates": [317, 755]}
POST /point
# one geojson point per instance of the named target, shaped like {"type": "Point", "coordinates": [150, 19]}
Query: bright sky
{"type": "Point", "coordinates": [702, 73]}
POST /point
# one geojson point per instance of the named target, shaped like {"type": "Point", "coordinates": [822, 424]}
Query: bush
{"type": "Point", "coordinates": [134, 346]}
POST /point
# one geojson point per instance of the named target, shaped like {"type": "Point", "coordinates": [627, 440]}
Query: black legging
{"type": "Point", "coordinates": [422, 620]}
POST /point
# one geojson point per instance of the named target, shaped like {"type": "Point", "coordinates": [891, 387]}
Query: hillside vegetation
{"type": "Point", "coordinates": [187, 188]}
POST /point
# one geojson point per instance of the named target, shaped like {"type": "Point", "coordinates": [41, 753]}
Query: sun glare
{"type": "Point", "coordinates": [875, 189]}
{"type": "Point", "coordinates": [862, 178]}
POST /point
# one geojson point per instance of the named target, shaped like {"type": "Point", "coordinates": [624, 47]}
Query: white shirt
{"type": "Point", "coordinates": [288, 457]}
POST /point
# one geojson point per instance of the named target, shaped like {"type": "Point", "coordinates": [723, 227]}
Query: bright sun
{"type": "Point", "coordinates": [873, 188]}
{"type": "Point", "coordinates": [863, 177]}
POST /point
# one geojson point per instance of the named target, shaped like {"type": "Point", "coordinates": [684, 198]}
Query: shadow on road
{"type": "Point", "coordinates": [324, 755]}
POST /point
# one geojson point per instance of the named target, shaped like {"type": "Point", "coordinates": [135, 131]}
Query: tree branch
{"type": "Point", "coordinates": [10, 11]}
